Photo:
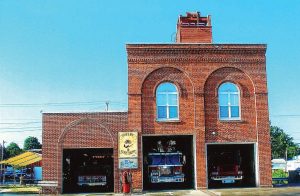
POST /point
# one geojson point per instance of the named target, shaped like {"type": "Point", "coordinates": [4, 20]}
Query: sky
{"type": "Point", "coordinates": [70, 56]}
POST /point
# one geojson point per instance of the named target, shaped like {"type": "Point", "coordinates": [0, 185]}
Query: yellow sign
{"type": "Point", "coordinates": [128, 144]}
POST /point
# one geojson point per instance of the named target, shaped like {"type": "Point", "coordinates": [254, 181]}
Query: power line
{"type": "Point", "coordinates": [285, 115]}
{"type": "Point", "coordinates": [21, 119]}
{"type": "Point", "coordinates": [46, 104]}
{"type": "Point", "coordinates": [1, 128]}
{"type": "Point", "coordinates": [25, 123]}
{"type": "Point", "coordinates": [21, 131]}
{"type": "Point", "coordinates": [59, 104]}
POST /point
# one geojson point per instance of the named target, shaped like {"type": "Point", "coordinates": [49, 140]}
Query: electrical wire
{"type": "Point", "coordinates": [1, 128]}
{"type": "Point", "coordinates": [286, 115]}
{"type": "Point", "coordinates": [60, 104]}
{"type": "Point", "coordinates": [25, 123]}
{"type": "Point", "coordinates": [21, 131]}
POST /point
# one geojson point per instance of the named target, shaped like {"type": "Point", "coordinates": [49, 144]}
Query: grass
{"type": "Point", "coordinates": [20, 189]}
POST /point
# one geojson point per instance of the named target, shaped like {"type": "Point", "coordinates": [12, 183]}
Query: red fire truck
{"type": "Point", "coordinates": [226, 168]}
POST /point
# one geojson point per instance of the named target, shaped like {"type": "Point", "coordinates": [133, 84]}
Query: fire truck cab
{"type": "Point", "coordinates": [166, 167]}
{"type": "Point", "coordinates": [226, 168]}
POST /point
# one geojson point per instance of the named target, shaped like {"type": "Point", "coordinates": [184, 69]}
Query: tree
{"type": "Point", "coordinates": [13, 149]}
{"type": "Point", "coordinates": [32, 143]}
{"type": "Point", "coordinates": [282, 143]}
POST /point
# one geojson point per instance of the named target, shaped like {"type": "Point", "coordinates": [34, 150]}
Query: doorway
{"type": "Point", "coordinates": [88, 170]}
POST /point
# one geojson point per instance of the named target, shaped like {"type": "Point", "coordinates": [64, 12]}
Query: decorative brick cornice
{"type": "Point", "coordinates": [172, 53]}
{"type": "Point", "coordinates": [134, 94]}
{"type": "Point", "coordinates": [261, 93]}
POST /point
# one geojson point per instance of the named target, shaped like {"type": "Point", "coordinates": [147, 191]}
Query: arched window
{"type": "Point", "coordinates": [229, 101]}
{"type": "Point", "coordinates": [167, 102]}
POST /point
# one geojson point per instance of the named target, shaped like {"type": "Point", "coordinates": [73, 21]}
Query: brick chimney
{"type": "Point", "coordinates": [193, 28]}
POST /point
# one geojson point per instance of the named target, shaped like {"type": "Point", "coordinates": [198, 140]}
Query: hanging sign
{"type": "Point", "coordinates": [128, 163]}
{"type": "Point", "coordinates": [128, 144]}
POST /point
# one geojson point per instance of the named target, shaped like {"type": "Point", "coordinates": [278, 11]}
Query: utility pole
{"type": "Point", "coordinates": [1, 160]}
{"type": "Point", "coordinates": [107, 103]}
{"type": "Point", "coordinates": [286, 158]}
{"type": "Point", "coordinates": [2, 155]}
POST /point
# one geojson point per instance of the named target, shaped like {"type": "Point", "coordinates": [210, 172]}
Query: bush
{"type": "Point", "coordinates": [280, 173]}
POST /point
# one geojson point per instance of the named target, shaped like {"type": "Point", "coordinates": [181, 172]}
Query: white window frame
{"type": "Point", "coordinates": [167, 104]}
{"type": "Point", "coordinates": [229, 105]}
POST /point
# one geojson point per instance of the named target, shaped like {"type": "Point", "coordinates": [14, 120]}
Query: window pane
{"type": "Point", "coordinates": [161, 99]}
{"type": "Point", "coordinates": [172, 99]}
{"type": "Point", "coordinates": [234, 99]}
{"type": "Point", "coordinates": [228, 87]}
{"type": "Point", "coordinates": [161, 112]}
{"type": "Point", "coordinates": [166, 87]}
{"type": "Point", "coordinates": [223, 99]}
{"type": "Point", "coordinates": [173, 112]}
{"type": "Point", "coordinates": [224, 112]}
{"type": "Point", "coordinates": [235, 113]}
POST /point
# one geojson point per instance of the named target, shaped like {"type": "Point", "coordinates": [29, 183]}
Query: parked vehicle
{"type": "Point", "coordinates": [96, 175]}
{"type": "Point", "coordinates": [226, 168]}
{"type": "Point", "coordinates": [165, 167]}
{"type": "Point", "coordinates": [92, 180]}
{"type": "Point", "coordinates": [26, 173]}
{"type": "Point", "coordinates": [9, 174]}
{"type": "Point", "coordinates": [298, 171]}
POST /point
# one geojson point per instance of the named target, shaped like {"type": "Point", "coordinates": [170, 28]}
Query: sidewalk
{"type": "Point", "coordinates": [287, 191]}
{"type": "Point", "coordinates": [35, 190]}
{"type": "Point", "coordinates": [175, 193]}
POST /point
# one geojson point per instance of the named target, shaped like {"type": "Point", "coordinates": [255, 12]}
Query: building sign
{"type": "Point", "coordinates": [128, 144]}
{"type": "Point", "coordinates": [128, 163]}
{"type": "Point", "coordinates": [128, 150]}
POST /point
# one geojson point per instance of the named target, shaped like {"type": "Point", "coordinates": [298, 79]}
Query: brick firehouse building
{"type": "Point", "coordinates": [199, 110]}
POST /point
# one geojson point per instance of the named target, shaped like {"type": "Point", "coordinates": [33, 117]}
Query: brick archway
{"type": "Point", "coordinates": [92, 123]}
{"type": "Point", "coordinates": [83, 133]}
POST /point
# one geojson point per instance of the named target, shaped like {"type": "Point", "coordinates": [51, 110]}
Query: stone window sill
{"type": "Point", "coordinates": [168, 121]}
{"type": "Point", "coordinates": [231, 121]}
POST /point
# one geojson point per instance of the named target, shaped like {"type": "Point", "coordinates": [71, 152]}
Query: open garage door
{"type": "Point", "coordinates": [88, 170]}
{"type": "Point", "coordinates": [230, 165]}
{"type": "Point", "coordinates": [168, 162]}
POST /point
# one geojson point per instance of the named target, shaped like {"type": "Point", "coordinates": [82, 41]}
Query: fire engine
{"type": "Point", "coordinates": [226, 168]}
{"type": "Point", "coordinates": [166, 167]}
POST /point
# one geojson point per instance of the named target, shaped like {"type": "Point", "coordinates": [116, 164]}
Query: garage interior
{"type": "Point", "coordinates": [223, 159]}
{"type": "Point", "coordinates": [88, 170]}
{"type": "Point", "coordinates": [168, 162]}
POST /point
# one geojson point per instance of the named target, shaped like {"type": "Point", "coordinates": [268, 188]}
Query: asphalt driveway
{"type": "Point", "coordinates": [257, 191]}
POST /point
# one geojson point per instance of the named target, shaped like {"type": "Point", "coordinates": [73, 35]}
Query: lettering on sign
{"type": "Point", "coordinates": [131, 163]}
{"type": "Point", "coordinates": [128, 144]}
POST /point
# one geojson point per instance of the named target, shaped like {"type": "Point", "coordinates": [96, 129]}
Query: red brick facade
{"type": "Point", "coordinates": [197, 70]}
{"type": "Point", "coordinates": [78, 130]}
{"type": "Point", "coordinates": [193, 28]}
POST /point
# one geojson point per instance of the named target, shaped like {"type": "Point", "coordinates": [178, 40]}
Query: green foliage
{"type": "Point", "coordinates": [32, 143]}
{"type": "Point", "coordinates": [279, 173]}
{"type": "Point", "coordinates": [280, 142]}
{"type": "Point", "coordinates": [13, 149]}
